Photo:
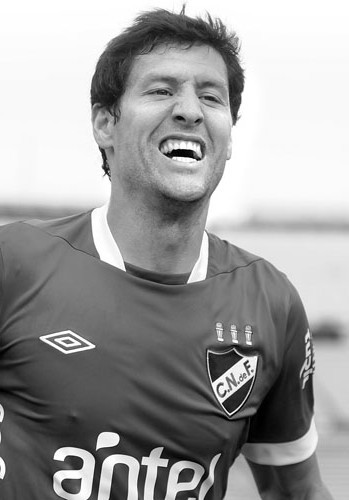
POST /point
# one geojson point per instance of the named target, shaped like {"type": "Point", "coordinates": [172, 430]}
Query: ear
{"type": "Point", "coordinates": [103, 123]}
{"type": "Point", "coordinates": [230, 146]}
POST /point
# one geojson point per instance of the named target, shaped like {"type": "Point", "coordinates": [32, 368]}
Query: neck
{"type": "Point", "coordinates": [166, 240]}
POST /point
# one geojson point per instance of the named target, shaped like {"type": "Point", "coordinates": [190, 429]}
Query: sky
{"type": "Point", "coordinates": [290, 146]}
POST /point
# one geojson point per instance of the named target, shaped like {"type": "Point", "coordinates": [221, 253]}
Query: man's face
{"type": "Point", "coordinates": [173, 136]}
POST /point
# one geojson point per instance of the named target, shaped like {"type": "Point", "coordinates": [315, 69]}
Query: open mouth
{"type": "Point", "coordinates": [184, 151]}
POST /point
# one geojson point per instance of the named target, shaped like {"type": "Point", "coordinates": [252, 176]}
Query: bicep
{"type": "Point", "coordinates": [282, 431]}
{"type": "Point", "coordinates": [300, 481]}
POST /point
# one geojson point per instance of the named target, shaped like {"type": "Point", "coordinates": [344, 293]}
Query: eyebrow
{"type": "Point", "coordinates": [153, 77]}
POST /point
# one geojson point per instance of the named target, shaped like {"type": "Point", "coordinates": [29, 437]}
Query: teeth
{"type": "Point", "coordinates": [164, 149]}
{"type": "Point", "coordinates": [170, 145]}
{"type": "Point", "coordinates": [183, 159]}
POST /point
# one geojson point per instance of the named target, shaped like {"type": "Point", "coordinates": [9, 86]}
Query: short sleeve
{"type": "Point", "coordinates": [283, 430]}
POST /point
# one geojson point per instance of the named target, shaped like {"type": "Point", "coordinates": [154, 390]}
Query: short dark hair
{"type": "Point", "coordinates": [149, 30]}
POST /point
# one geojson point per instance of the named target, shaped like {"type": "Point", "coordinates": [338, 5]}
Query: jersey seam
{"type": "Point", "coordinates": [230, 271]}
{"type": "Point", "coordinates": [291, 304]}
{"type": "Point", "coordinates": [57, 236]}
{"type": "Point", "coordinates": [259, 259]}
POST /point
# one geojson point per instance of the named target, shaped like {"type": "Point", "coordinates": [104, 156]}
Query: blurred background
{"type": "Point", "coordinates": [285, 191]}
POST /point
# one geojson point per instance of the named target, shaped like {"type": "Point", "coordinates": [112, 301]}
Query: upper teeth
{"type": "Point", "coordinates": [169, 145]}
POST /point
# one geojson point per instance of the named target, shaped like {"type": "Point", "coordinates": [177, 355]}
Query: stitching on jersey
{"type": "Point", "coordinates": [56, 236]}
{"type": "Point", "coordinates": [294, 311]}
{"type": "Point", "coordinates": [259, 259]}
{"type": "Point", "coordinates": [83, 251]}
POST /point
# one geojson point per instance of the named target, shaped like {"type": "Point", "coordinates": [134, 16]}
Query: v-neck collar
{"type": "Point", "coordinates": [109, 251]}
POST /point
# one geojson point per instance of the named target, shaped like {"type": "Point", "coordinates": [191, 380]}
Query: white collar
{"type": "Point", "coordinates": [109, 252]}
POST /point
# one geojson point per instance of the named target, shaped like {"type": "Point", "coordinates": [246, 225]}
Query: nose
{"type": "Point", "coordinates": [187, 109]}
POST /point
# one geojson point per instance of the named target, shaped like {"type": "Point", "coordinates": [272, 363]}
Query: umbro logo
{"type": "Point", "coordinates": [67, 342]}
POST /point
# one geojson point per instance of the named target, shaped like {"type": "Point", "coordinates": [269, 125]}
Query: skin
{"type": "Point", "coordinates": [158, 206]}
{"type": "Point", "coordinates": [300, 481]}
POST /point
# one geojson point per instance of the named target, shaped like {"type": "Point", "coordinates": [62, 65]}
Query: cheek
{"type": "Point", "coordinates": [224, 143]}
{"type": "Point", "coordinates": [222, 126]}
{"type": "Point", "coordinates": [227, 135]}
{"type": "Point", "coordinates": [230, 147]}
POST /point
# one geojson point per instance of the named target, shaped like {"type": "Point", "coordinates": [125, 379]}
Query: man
{"type": "Point", "coordinates": [140, 355]}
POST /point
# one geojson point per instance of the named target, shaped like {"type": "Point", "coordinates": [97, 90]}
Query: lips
{"type": "Point", "coordinates": [182, 150]}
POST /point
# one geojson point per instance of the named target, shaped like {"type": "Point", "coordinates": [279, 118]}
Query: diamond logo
{"type": "Point", "coordinates": [67, 342]}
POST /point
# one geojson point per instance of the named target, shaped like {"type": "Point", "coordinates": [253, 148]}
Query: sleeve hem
{"type": "Point", "coordinates": [287, 453]}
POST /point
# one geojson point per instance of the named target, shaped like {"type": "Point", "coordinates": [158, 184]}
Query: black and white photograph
{"type": "Point", "coordinates": [174, 242]}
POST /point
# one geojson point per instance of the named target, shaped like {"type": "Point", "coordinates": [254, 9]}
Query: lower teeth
{"type": "Point", "coordinates": [183, 159]}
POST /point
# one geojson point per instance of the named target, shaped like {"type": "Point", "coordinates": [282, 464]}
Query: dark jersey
{"type": "Point", "coordinates": [117, 387]}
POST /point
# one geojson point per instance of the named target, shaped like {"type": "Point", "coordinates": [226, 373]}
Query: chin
{"type": "Point", "coordinates": [186, 198]}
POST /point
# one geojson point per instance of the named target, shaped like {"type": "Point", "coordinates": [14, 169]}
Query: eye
{"type": "Point", "coordinates": [161, 92]}
{"type": "Point", "coordinates": [211, 98]}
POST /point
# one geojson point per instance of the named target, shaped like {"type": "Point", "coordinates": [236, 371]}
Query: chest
{"type": "Point", "coordinates": [89, 350]}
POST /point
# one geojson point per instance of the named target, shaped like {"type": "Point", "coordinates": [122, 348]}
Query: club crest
{"type": "Point", "coordinates": [232, 376]}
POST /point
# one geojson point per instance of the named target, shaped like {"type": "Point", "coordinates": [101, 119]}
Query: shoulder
{"type": "Point", "coordinates": [25, 238]}
{"type": "Point", "coordinates": [227, 258]}
{"type": "Point", "coordinates": [256, 278]}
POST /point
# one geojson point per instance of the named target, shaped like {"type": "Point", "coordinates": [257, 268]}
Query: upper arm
{"type": "Point", "coordinates": [282, 431]}
{"type": "Point", "coordinates": [300, 481]}
{"type": "Point", "coordinates": [282, 438]}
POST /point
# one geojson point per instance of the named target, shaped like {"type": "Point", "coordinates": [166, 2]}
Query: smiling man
{"type": "Point", "coordinates": [139, 354]}
{"type": "Point", "coordinates": [167, 151]}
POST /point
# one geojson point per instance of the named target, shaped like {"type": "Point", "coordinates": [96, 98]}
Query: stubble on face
{"type": "Point", "coordinates": [174, 94]}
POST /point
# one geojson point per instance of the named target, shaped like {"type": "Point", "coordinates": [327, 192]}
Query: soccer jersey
{"type": "Point", "coordinates": [122, 388]}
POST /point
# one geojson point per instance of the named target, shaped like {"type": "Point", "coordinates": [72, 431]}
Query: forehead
{"type": "Point", "coordinates": [180, 62]}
